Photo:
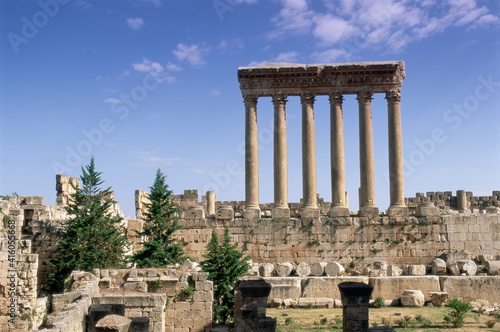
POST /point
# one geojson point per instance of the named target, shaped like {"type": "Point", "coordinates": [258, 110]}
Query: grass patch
{"type": "Point", "coordinates": [426, 319]}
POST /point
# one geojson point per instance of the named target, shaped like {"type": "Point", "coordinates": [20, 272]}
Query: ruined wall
{"type": "Point", "coordinates": [416, 240]}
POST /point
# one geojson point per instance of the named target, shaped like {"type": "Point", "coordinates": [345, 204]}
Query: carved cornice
{"type": "Point", "coordinates": [347, 78]}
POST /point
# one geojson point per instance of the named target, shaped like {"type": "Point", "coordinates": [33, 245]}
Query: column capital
{"type": "Point", "coordinates": [336, 97]}
{"type": "Point", "coordinates": [364, 97]}
{"type": "Point", "coordinates": [393, 96]}
{"type": "Point", "coordinates": [307, 98]}
{"type": "Point", "coordinates": [250, 99]}
{"type": "Point", "coordinates": [279, 98]}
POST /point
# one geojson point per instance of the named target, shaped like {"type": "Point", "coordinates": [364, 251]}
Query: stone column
{"type": "Point", "coordinates": [339, 205]}
{"type": "Point", "coordinates": [281, 209]}
{"type": "Point", "coordinates": [252, 210]}
{"type": "Point", "coordinates": [367, 205]}
{"type": "Point", "coordinates": [396, 175]}
{"type": "Point", "coordinates": [210, 203]}
{"type": "Point", "coordinates": [310, 209]}
{"type": "Point", "coordinates": [355, 299]}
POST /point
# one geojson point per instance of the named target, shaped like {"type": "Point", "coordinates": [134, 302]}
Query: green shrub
{"type": "Point", "coordinates": [379, 302]}
{"type": "Point", "coordinates": [490, 323]}
{"type": "Point", "coordinates": [323, 321]}
{"type": "Point", "coordinates": [288, 321]}
{"type": "Point", "coordinates": [458, 311]}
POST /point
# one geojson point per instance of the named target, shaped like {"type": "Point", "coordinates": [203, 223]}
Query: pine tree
{"type": "Point", "coordinates": [159, 248]}
{"type": "Point", "coordinates": [92, 237]}
{"type": "Point", "coordinates": [224, 265]}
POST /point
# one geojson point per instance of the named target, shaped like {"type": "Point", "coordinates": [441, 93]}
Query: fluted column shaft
{"type": "Point", "coordinates": [251, 153]}
{"type": "Point", "coordinates": [339, 204]}
{"type": "Point", "coordinates": [366, 155]}
{"type": "Point", "coordinates": [308, 151]}
{"type": "Point", "coordinates": [396, 175]}
{"type": "Point", "coordinates": [280, 153]}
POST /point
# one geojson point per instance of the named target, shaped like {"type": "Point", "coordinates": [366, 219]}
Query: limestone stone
{"type": "Point", "coordinates": [412, 298]}
{"type": "Point", "coordinates": [188, 265]}
{"type": "Point", "coordinates": [303, 269]}
{"type": "Point", "coordinates": [334, 269]}
{"type": "Point", "coordinates": [284, 269]}
{"type": "Point", "coordinates": [317, 287]}
{"type": "Point", "coordinates": [438, 298]}
{"type": "Point", "coordinates": [416, 270]}
{"type": "Point", "coordinates": [392, 287]}
{"type": "Point", "coordinates": [136, 286]}
{"type": "Point", "coordinates": [394, 271]}
{"type": "Point", "coordinates": [113, 323]}
{"type": "Point", "coordinates": [472, 287]}
{"type": "Point", "coordinates": [266, 269]}
{"type": "Point", "coordinates": [467, 266]}
{"type": "Point", "coordinates": [452, 268]}
{"type": "Point", "coordinates": [284, 288]}
{"type": "Point", "coordinates": [493, 267]}
{"type": "Point", "coordinates": [318, 269]}
{"type": "Point", "coordinates": [438, 266]}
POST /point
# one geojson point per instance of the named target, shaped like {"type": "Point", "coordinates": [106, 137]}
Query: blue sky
{"type": "Point", "coordinates": [148, 84]}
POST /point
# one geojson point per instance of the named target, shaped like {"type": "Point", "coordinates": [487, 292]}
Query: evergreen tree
{"type": "Point", "coordinates": [159, 248]}
{"type": "Point", "coordinates": [224, 265]}
{"type": "Point", "coordinates": [92, 237]}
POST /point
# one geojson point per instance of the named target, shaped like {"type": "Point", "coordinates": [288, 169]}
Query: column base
{"type": "Point", "coordinates": [280, 212]}
{"type": "Point", "coordinates": [310, 215]}
{"type": "Point", "coordinates": [398, 211]}
{"type": "Point", "coordinates": [339, 211]}
{"type": "Point", "coordinates": [369, 211]}
{"type": "Point", "coordinates": [427, 209]}
{"type": "Point", "coordinates": [252, 213]}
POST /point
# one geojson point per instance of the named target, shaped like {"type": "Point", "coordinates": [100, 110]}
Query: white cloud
{"type": "Point", "coordinates": [112, 101]}
{"type": "Point", "coordinates": [135, 23]}
{"type": "Point", "coordinates": [148, 66]}
{"type": "Point", "coordinates": [173, 67]}
{"type": "Point", "coordinates": [287, 57]}
{"type": "Point", "coordinates": [330, 56]}
{"type": "Point", "coordinates": [193, 54]}
{"type": "Point", "coordinates": [155, 3]}
{"type": "Point", "coordinates": [149, 159]}
{"type": "Point", "coordinates": [383, 24]}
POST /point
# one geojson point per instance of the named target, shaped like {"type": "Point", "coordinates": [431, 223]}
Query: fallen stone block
{"type": "Point", "coordinates": [334, 269]}
{"type": "Point", "coordinates": [493, 267]}
{"type": "Point", "coordinates": [303, 269]}
{"type": "Point", "coordinates": [113, 323]}
{"type": "Point", "coordinates": [318, 269]}
{"type": "Point", "coordinates": [412, 298]}
{"type": "Point", "coordinates": [438, 267]}
{"type": "Point", "coordinates": [438, 299]}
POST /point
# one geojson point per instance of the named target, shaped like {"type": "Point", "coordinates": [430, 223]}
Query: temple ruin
{"type": "Point", "coordinates": [422, 249]}
{"type": "Point", "coordinates": [278, 80]}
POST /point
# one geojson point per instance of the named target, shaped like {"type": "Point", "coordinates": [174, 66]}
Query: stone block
{"type": "Point", "coordinates": [141, 287]}
{"type": "Point", "coordinates": [412, 298]}
{"type": "Point", "coordinates": [303, 269]}
{"type": "Point", "coordinates": [417, 270]}
{"type": "Point", "coordinates": [493, 267]}
{"type": "Point", "coordinates": [284, 288]}
{"type": "Point", "coordinates": [472, 288]}
{"type": "Point", "coordinates": [438, 267]}
{"type": "Point", "coordinates": [334, 269]}
{"type": "Point", "coordinates": [113, 323]}
{"type": "Point", "coordinates": [319, 287]}
{"type": "Point", "coordinates": [394, 271]}
{"type": "Point", "coordinates": [266, 269]}
{"type": "Point", "coordinates": [438, 299]}
{"type": "Point", "coordinates": [284, 269]}
{"type": "Point", "coordinates": [467, 266]}
{"type": "Point", "coordinates": [318, 269]}
{"type": "Point", "coordinates": [392, 287]}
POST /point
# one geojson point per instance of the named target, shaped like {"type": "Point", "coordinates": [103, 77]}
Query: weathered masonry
{"type": "Point", "coordinates": [279, 80]}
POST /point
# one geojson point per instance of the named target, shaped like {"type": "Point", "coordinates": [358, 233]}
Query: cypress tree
{"type": "Point", "coordinates": [91, 237]}
{"type": "Point", "coordinates": [224, 265]}
{"type": "Point", "coordinates": [159, 248]}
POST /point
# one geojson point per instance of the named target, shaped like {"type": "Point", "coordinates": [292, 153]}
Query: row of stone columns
{"type": "Point", "coordinates": [367, 169]}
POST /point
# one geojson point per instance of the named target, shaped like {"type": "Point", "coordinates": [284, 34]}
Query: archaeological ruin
{"type": "Point", "coordinates": [423, 249]}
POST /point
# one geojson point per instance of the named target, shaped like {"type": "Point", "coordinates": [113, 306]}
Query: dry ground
{"type": "Point", "coordinates": [331, 319]}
